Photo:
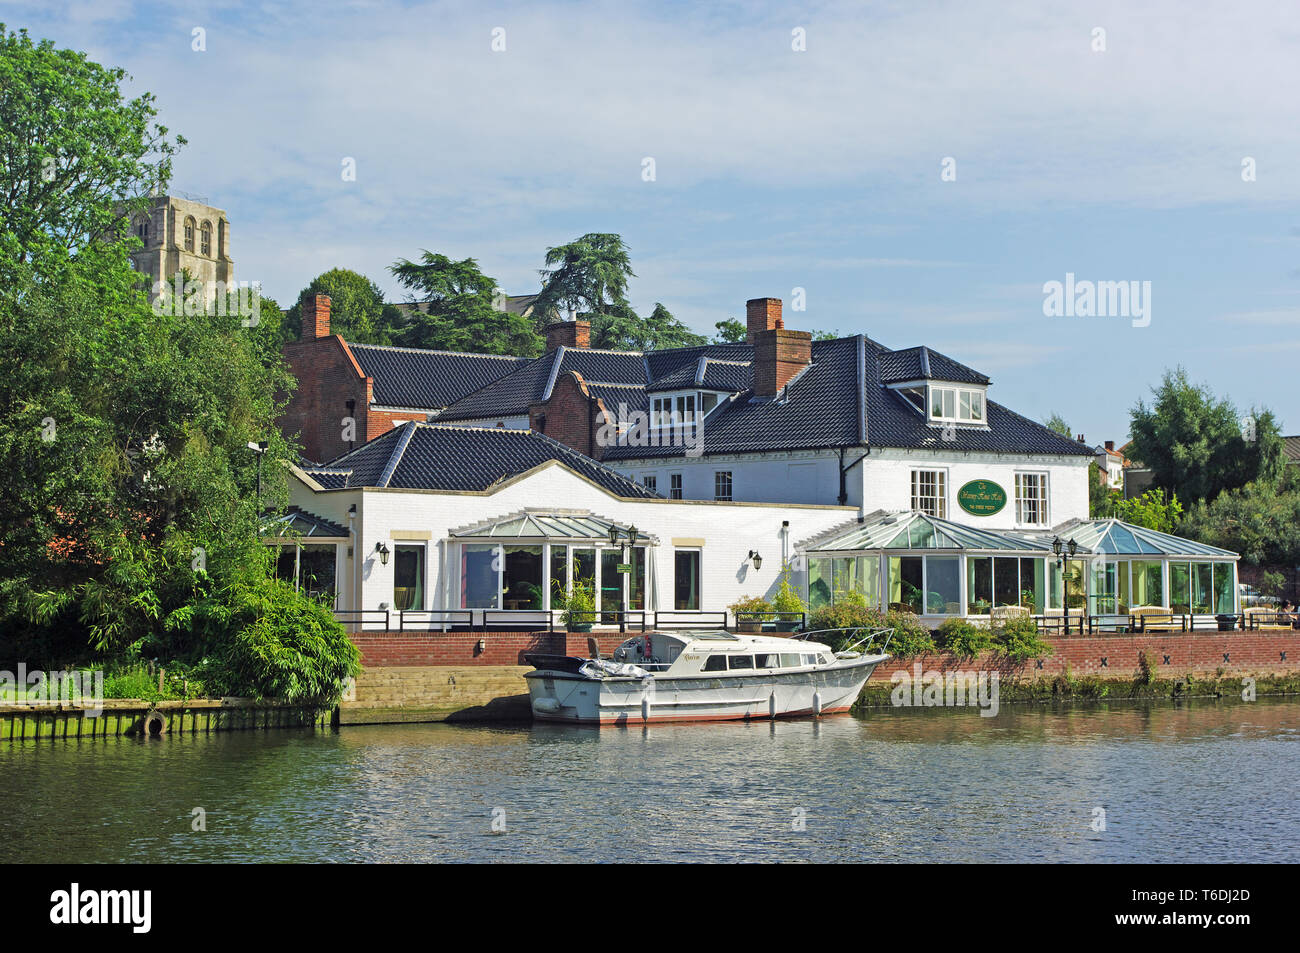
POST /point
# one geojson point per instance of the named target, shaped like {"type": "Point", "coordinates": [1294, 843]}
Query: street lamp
{"type": "Point", "coordinates": [259, 448]}
{"type": "Point", "coordinates": [1062, 550]}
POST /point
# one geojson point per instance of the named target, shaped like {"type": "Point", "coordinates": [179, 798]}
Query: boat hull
{"type": "Point", "coordinates": [559, 696]}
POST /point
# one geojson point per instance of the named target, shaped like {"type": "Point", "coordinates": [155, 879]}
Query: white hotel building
{"type": "Point", "coordinates": [856, 467]}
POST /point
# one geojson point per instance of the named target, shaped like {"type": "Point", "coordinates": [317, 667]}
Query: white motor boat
{"type": "Point", "coordinates": [709, 675]}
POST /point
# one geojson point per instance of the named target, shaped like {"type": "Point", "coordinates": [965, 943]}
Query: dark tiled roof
{"type": "Point", "coordinates": [840, 400]}
{"type": "Point", "coordinates": [329, 479]}
{"type": "Point", "coordinates": [508, 396]}
{"type": "Point", "coordinates": [922, 363]}
{"type": "Point", "coordinates": [407, 377]}
{"type": "Point", "coordinates": [432, 457]}
{"type": "Point", "coordinates": [606, 367]}
{"type": "Point", "coordinates": [299, 522]}
{"type": "Point", "coordinates": [1291, 448]}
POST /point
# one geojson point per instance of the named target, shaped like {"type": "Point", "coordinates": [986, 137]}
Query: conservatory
{"type": "Point", "coordinates": [1105, 573]}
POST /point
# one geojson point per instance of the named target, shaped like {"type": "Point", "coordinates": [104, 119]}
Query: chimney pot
{"type": "Point", "coordinates": [761, 314]}
{"type": "Point", "coordinates": [568, 334]}
{"type": "Point", "coordinates": [315, 317]}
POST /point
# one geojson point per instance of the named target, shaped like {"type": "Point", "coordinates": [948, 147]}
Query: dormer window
{"type": "Point", "coordinates": [959, 404]}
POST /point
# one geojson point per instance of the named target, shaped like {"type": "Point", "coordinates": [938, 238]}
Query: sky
{"type": "Point", "coordinates": [916, 171]}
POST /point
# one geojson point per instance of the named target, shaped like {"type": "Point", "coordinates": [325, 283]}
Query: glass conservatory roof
{"type": "Point", "coordinates": [881, 531]}
{"type": "Point", "coordinates": [919, 531]}
{"type": "Point", "coordinates": [1117, 538]}
{"type": "Point", "coordinates": [550, 524]}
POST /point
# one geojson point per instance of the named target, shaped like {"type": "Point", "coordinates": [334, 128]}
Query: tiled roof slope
{"type": "Point", "coordinates": [407, 377]}
{"type": "Point", "coordinates": [841, 400]}
{"type": "Point", "coordinates": [424, 456]}
{"type": "Point", "coordinates": [922, 363]}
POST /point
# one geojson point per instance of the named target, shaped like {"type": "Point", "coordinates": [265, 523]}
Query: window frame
{"type": "Point", "coordinates": [957, 392]}
{"type": "Point", "coordinates": [1043, 476]}
{"type": "Point", "coordinates": [941, 488]}
{"type": "Point", "coordinates": [718, 476]}
{"type": "Point", "coordinates": [676, 486]}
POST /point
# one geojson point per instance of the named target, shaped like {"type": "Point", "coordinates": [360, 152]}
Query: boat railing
{"type": "Point", "coordinates": [867, 641]}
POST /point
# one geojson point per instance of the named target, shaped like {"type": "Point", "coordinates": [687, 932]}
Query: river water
{"type": "Point", "coordinates": [1197, 781]}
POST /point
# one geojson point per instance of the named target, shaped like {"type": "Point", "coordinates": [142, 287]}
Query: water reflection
{"type": "Point", "coordinates": [1202, 780]}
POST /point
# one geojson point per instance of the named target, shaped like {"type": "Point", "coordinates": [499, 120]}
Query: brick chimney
{"type": "Point", "coordinates": [568, 334]}
{"type": "Point", "coordinates": [1110, 444]}
{"type": "Point", "coordinates": [315, 317]}
{"type": "Point", "coordinates": [761, 314]}
{"type": "Point", "coordinates": [779, 354]}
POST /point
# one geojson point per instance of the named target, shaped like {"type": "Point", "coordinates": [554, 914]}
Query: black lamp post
{"type": "Point", "coordinates": [1061, 550]}
{"type": "Point", "coordinates": [259, 448]}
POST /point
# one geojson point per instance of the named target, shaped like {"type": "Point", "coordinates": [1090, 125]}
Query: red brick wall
{"type": "Point", "coordinates": [1189, 654]}
{"type": "Point", "coordinates": [1200, 653]}
{"type": "Point", "coordinates": [571, 416]}
{"type": "Point", "coordinates": [568, 334]}
{"type": "Point", "coordinates": [382, 649]}
{"type": "Point", "coordinates": [328, 376]}
{"type": "Point", "coordinates": [779, 355]}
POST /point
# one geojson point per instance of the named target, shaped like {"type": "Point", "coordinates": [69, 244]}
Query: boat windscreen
{"type": "Point", "coordinates": [717, 635]}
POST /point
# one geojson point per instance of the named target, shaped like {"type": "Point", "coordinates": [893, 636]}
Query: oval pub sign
{"type": "Point", "coordinates": [981, 498]}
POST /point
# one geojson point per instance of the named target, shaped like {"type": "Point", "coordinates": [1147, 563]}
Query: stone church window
{"type": "Point", "coordinates": [189, 234]}
{"type": "Point", "coordinates": [205, 239]}
{"type": "Point", "coordinates": [142, 229]}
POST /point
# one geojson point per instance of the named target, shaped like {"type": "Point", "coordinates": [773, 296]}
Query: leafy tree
{"type": "Point", "coordinates": [454, 309]}
{"type": "Point", "coordinates": [1101, 498]}
{"type": "Point", "coordinates": [730, 331]}
{"type": "Point", "coordinates": [76, 155]}
{"type": "Point", "coordinates": [357, 309]}
{"type": "Point", "coordinates": [1260, 520]}
{"type": "Point", "coordinates": [1194, 444]}
{"type": "Point", "coordinates": [1057, 422]}
{"type": "Point", "coordinates": [589, 275]}
{"type": "Point", "coordinates": [129, 510]}
{"type": "Point", "coordinates": [1154, 509]}
{"type": "Point", "coordinates": [622, 329]}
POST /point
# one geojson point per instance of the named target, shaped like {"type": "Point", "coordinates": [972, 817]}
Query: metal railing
{"type": "Point", "coordinates": [359, 616]}
{"type": "Point", "coordinates": [447, 618]}
{"type": "Point", "coordinates": [1118, 623]}
{"type": "Point", "coordinates": [693, 619]}
{"type": "Point", "coordinates": [773, 620]}
{"type": "Point", "coordinates": [866, 642]}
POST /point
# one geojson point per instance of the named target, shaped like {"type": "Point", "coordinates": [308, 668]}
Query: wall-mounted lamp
{"type": "Point", "coordinates": [482, 645]}
{"type": "Point", "coordinates": [382, 550]}
{"type": "Point", "coordinates": [756, 559]}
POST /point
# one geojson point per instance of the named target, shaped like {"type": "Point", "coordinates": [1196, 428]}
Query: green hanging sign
{"type": "Point", "coordinates": [982, 498]}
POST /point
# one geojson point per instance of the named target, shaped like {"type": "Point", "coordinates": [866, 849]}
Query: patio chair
{"type": "Point", "coordinates": [1155, 619]}
{"type": "Point", "coordinates": [1265, 619]}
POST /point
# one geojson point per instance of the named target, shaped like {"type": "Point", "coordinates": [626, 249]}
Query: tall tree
{"type": "Point", "coordinates": [357, 309]}
{"type": "Point", "coordinates": [129, 514]}
{"type": "Point", "coordinates": [623, 329]}
{"type": "Point", "coordinates": [1196, 444]}
{"type": "Point", "coordinates": [1057, 422]}
{"type": "Point", "coordinates": [589, 274]}
{"type": "Point", "coordinates": [455, 307]}
{"type": "Point", "coordinates": [730, 331]}
{"type": "Point", "coordinates": [75, 155]}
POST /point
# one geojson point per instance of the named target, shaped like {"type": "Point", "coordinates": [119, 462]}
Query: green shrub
{"type": "Point", "coordinates": [1019, 640]}
{"type": "Point", "coordinates": [752, 605]}
{"type": "Point", "coordinates": [964, 639]}
{"type": "Point", "coordinates": [910, 636]}
{"type": "Point", "coordinates": [274, 643]}
{"type": "Point", "coordinates": [849, 610]}
{"type": "Point", "coordinates": [786, 599]}
{"type": "Point", "coordinates": [579, 605]}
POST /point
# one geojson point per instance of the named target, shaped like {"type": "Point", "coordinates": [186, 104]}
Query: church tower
{"type": "Point", "coordinates": [179, 232]}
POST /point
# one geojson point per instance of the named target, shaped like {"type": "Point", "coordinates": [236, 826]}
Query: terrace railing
{"type": "Point", "coordinates": [690, 619]}
{"type": "Point", "coordinates": [776, 621]}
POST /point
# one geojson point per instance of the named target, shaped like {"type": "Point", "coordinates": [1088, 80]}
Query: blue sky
{"type": "Point", "coordinates": [775, 169]}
